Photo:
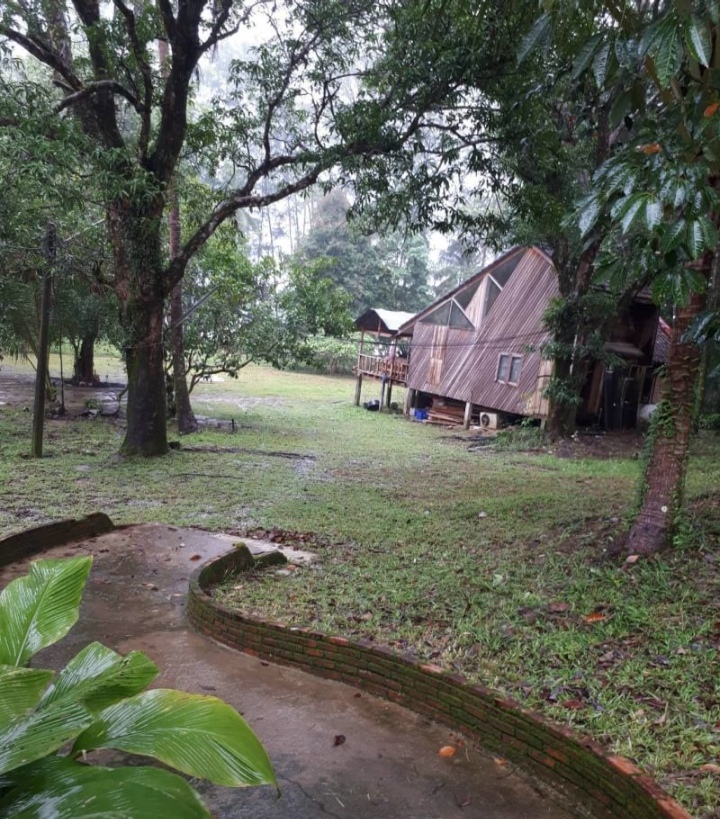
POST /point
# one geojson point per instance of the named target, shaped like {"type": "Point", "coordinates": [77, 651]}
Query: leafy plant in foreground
{"type": "Point", "coordinates": [50, 723]}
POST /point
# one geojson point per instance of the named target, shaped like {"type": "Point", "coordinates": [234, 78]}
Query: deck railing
{"type": "Point", "coordinates": [395, 369]}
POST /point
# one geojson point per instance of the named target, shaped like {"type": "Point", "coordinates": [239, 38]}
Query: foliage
{"type": "Point", "coordinates": [333, 356]}
{"type": "Point", "coordinates": [98, 701]}
{"type": "Point", "coordinates": [655, 198]}
{"type": "Point", "coordinates": [521, 437]}
{"type": "Point", "coordinates": [283, 119]}
{"type": "Point", "coordinates": [389, 271]}
{"type": "Point", "coordinates": [710, 420]}
{"type": "Point", "coordinates": [239, 312]}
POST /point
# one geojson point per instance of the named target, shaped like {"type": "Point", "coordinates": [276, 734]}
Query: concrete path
{"type": "Point", "coordinates": [387, 765]}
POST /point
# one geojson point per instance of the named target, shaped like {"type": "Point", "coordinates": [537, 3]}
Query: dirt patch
{"type": "Point", "coordinates": [604, 445]}
{"type": "Point", "coordinates": [17, 390]}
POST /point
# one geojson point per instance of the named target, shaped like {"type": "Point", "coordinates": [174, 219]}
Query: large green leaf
{"type": "Point", "coordinates": [673, 235]}
{"type": "Point", "coordinates": [537, 35]}
{"type": "Point", "coordinates": [698, 38]}
{"type": "Point", "coordinates": [20, 690]}
{"type": "Point", "coordinates": [586, 55]}
{"type": "Point", "coordinates": [40, 733]}
{"type": "Point", "coordinates": [628, 209]}
{"type": "Point", "coordinates": [201, 736]}
{"type": "Point", "coordinates": [99, 677]}
{"type": "Point", "coordinates": [40, 608]}
{"type": "Point", "coordinates": [667, 53]}
{"type": "Point", "coordinates": [653, 212]}
{"type": "Point", "coordinates": [57, 788]}
{"type": "Point", "coordinates": [601, 63]}
{"type": "Point", "coordinates": [589, 211]}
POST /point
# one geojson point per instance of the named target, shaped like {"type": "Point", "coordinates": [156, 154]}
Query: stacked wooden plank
{"type": "Point", "coordinates": [446, 413]}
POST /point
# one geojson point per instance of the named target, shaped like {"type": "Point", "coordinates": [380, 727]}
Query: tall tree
{"type": "Point", "coordinates": [660, 192]}
{"type": "Point", "coordinates": [389, 271]}
{"type": "Point", "coordinates": [284, 118]}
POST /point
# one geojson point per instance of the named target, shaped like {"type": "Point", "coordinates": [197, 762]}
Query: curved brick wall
{"type": "Point", "coordinates": [598, 783]}
{"type": "Point", "coordinates": [32, 541]}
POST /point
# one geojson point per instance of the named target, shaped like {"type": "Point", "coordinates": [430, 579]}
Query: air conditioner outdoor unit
{"type": "Point", "coordinates": [489, 420]}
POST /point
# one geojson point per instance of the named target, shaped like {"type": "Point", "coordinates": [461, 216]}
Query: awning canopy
{"type": "Point", "coordinates": [382, 322]}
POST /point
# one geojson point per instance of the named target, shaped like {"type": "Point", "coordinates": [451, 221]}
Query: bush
{"type": "Point", "coordinates": [332, 356]}
{"type": "Point", "coordinates": [525, 435]}
{"type": "Point", "coordinates": [49, 722]}
{"type": "Point", "coordinates": [710, 420]}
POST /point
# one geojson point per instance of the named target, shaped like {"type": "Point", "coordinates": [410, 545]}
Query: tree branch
{"type": "Point", "coordinates": [96, 87]}
{"type": "Point", "coordinates": [145, 71]}
{"type": "Point", "coordinates": [43, 53]}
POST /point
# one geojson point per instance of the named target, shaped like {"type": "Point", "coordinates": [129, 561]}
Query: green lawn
{"type": "Point", "coordinates": [500, 564]}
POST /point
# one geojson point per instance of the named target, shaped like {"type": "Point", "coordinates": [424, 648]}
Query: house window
{"type": "Point", "coordinates": [508, 371]}
{"type": "Point", "coordinates": [503, 368]}
{"type": "Point", "coordinates": [448, 314]}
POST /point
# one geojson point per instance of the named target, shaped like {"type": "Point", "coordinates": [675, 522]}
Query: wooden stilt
{"type": "Point", "coordinates": [358, 389]}
{"type": "Point", "coordinates": [409, 400]}
{"type": "Point", "coordinates": [468, 415]}
{"type": "Point", "coordinates": [388, 398]}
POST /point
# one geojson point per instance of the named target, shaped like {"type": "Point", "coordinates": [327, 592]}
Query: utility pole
{"type": "Point", "coordinates": [41, 374]}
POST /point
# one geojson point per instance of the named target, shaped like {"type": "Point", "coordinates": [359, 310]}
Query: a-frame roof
{"type": "Point", "coordinates": [509, 259]}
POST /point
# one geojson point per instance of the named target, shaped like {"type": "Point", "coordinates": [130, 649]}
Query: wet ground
{"type": "Point", "coordinates": [386, 766]}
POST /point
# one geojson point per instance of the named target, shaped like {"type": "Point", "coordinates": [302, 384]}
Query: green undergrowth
{"type": "Point", "coordinates": [502, 564]}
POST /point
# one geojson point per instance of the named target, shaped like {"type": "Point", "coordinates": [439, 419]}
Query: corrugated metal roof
{"type": "Point", "coordinates": [385, 322]}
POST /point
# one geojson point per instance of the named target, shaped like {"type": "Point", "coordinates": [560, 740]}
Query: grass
{"type": "Point", "coordinates": [501, 564]}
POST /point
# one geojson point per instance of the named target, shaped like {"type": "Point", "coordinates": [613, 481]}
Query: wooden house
{"type": "Point", "coordinates": [475, 354]}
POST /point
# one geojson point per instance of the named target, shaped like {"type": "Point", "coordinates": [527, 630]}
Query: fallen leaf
{"type": "Point", "coordinates": [711, 110]}
{"type": "Point", "coordinates": [558, 608]}
{"type": "Point", "coordinates": [339, 740]}
{"type": "Point", "coordinates": [595, 617]}
{"type": "Point", "coordinates": [498, 760]}
{"type": "Point", "coordinates": [710, 768]}
{"type": "Point", "coordinates": [632, 559]}
{"type": "Point", "coordinates": [447, 750]}
{"type": "Point", "coordinates": [358, 695]}
{"type": "Point", "coordinates": [195, 557]}
{"type": "Point", "coordinates": [573, 705]}
{"type": "Point", "coordinates": [651, 148]}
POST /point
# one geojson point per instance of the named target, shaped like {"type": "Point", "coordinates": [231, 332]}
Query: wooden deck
{"type": "Point", "coordinates": [395, 369]}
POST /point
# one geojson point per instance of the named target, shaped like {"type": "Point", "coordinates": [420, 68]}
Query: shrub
{"type": "Point", "coordinates": [49, 722]}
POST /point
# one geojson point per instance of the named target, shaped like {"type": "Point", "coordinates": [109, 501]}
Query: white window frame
{"type": "Point", "coordinates": [511, 359]}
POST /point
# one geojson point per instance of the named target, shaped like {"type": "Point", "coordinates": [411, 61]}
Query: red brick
{"type": "Point", "coordinates": [671, 809]}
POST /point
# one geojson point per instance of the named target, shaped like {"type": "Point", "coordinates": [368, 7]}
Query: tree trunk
{"type": "Point", "coordinates": [182, 409]}
{"type": "Point", "coordinates": [136, 241]}
{"type": "Point", "coordinates": [84, 366]}
{"type": "Point", "coordinates": [664, 475]}
{"type": "Point", "coordinates": [146, 432]}
{"type": "Point", "coordinates": [186, 420]}
{"type": "Point", "coordinates": [185, 417]}
{"type": "Point", "coordinates": [561, 413]}
{"type": "Point", "coordinates": [570, 366]}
